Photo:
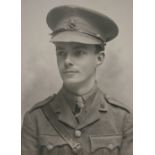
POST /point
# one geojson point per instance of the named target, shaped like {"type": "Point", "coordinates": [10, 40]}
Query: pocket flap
{"type": "Point", "coordinates": [108, 142]}
{"type": "Point", "coordinates": [51, 141]}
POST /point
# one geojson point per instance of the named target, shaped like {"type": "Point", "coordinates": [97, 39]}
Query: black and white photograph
{"type": "Point", "coordinates": [77, 77]}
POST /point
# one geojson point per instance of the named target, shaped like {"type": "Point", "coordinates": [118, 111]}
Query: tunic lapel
{"type": "Point", "coordinates": [64, 111]}
{"type": "Point", "coordinates": [93, 115]}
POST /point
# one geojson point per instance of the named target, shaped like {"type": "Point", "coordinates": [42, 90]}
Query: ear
{"type": "Point", "coordinates": [100, 57]}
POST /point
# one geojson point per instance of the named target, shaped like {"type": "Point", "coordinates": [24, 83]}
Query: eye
{"type": "Point", "coordinates": [79, 52]}
{"type": "Point", "coordinates": [60, 53]}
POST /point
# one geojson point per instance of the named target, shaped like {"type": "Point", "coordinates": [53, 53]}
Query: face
{"type": "Point", "coordinates": [77, 62]}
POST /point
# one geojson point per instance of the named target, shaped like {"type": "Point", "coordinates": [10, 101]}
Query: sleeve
{"type": "Point", "coordinates": [29, 142]}
{"type": "Point", "coordinates": [127, 142]}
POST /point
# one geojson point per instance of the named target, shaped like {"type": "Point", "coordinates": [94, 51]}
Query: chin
{"type": "Point", "coordinates": [71, 81]}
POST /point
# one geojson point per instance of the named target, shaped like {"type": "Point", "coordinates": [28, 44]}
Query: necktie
{"type": "Point", "coordinates": [78, 109]}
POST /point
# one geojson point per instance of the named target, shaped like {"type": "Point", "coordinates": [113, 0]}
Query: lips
{"type": "Point", "coordinates": [70, 71]}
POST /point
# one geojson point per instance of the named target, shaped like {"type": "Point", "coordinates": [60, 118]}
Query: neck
{"type": "Point", "coordinates": [81, 88]}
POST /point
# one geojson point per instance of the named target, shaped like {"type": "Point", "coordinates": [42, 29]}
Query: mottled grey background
{"type": "Point", "coordinates": [40, 77]}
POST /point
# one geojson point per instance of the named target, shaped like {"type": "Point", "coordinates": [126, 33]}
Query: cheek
{"type": "Point", "coordinates": [60, 63]}
{"type": "Point", "coordinates": [88, 65]}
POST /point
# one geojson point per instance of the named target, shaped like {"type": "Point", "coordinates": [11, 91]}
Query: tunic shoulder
{"type": "Point", "coordinates": [43, 102]}
{"type": "Point", "coordinates": [117, 103]}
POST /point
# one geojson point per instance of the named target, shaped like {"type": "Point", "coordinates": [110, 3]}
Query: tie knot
{"type": "Point", "coordinates": [78, 107]}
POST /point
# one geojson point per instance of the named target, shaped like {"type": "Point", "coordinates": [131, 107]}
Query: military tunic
{"type": "Point", "coordinates": [104, 127]}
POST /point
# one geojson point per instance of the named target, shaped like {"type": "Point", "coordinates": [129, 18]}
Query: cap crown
{"type": "Point", "coordinates": [83, 23]}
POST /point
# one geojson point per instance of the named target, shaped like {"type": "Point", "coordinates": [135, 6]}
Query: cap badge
{"type": "Point", "coordinates": [71, 24]}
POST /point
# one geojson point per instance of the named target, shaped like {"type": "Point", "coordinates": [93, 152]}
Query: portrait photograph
{"type": "Point", "coordinates": [76, 77]}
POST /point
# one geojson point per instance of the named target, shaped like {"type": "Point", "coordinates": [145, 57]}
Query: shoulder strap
{"type": "Point", "coordinates": [60, 128]}
{"type": "Point", "coordinates": [117, 103]}
{"type": "Point", "coordinates": [43, 102]}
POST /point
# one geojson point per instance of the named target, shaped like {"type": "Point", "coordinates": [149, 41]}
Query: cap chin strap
{"type": "Point", "coordinates": [97, 36]}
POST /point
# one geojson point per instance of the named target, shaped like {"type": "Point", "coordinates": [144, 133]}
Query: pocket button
{"type": "Point", "coordinates": [49, 147]}
{"type": "Point", "coordinates": [111, 146]}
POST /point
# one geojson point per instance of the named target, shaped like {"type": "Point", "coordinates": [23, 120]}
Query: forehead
{"type": "Point", "coordinates": [73, 45]}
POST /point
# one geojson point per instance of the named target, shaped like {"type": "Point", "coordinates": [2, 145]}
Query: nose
{"type": "Point", "coordinates": [68, 61]}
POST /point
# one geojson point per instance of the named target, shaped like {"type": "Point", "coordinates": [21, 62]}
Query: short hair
{"type": "Point", "coordinates": [99, 48]}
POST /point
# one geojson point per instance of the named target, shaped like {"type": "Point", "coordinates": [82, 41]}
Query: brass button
{"type": "Point", "coordinates": [98, 35]}
{"type": "Point", "coordinates": [49, 147]}
{"type": "Point", "coordinates": [77, 133]}
{"type": "Point", "coordinates": [111, 146]}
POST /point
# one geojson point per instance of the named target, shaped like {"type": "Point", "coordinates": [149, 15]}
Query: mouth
{"type": "Point", "coordinates": [70, 71]}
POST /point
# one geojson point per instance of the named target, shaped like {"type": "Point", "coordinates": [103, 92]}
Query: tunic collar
{"type": "Point", "coordinates": [72, 98]}
{"type": "Point", "coordinates": [95, 104]}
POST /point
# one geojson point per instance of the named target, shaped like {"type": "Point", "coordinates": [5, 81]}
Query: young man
{"type": "Point", "coordinates": [80, 119]}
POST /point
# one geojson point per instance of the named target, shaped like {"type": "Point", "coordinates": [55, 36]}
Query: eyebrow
{"type": "Point", "coordinates": [60, 48]}
{"type": "Point", "coordinates": [79, 46]}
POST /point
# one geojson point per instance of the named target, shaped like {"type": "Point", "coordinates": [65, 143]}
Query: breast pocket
{"type": "Point", "coordinates": [107, 145]}
{"type": "Point", "coordinates": [53, 145]}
